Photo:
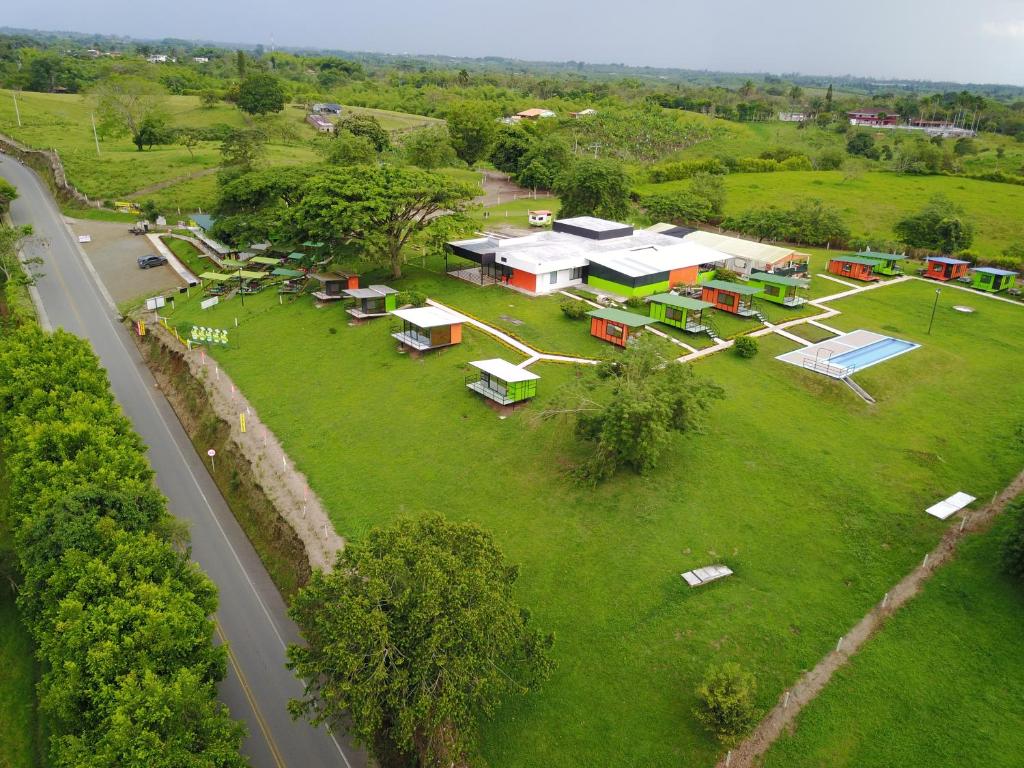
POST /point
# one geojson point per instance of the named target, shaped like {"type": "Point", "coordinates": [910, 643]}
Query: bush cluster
{"type": "Point", "coordinates": [574, 309]}
{"type": "Point", "coordinates": [809, 221]}
{"type": "Point", "coordinates": [119, 615]}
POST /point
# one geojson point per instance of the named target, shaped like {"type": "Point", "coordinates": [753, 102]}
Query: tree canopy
{"type": "Point", "coordinates": [368, 126]}
{"type": "Point", "coordinates": [429, 148]}
{"type": "Point", "coordinates": [472, 130]}
{"type": "Point", "coordinates": [593, 187]}
{"type": "Point", "coordinates": [261, 93]}
{"type": "Point", "coordinates": [939, 226]}
{"type": "Point", "coordinates": [130, 105]}
{"type": "Point", "coordinates": [412, 637]}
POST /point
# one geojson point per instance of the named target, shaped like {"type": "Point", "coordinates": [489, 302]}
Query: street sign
{"type": "Point", "coordinates": [156, 302]}
{"type": "Point", "coordinates": [207, 303]}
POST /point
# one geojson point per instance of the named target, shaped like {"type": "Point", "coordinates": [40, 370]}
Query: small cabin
{"type": "Point", "coordinates": [426, 328]}
{"type": "Point", "coordinates": [679, 312]}
{"type": "Point", "coordinates": [502, 382]}
{"type": "Point", "coordinates": [334, 284]}
{"type": "Point", "coordinates": [736, 298]}
{"type": "Point", "coordinates": [616, 326]}
{"type": "Point", "coordinates": [375, 301]}
{"type": "Point", "coordinates": [780, 289]}
{"type": "Point", "coordinates": [993, 280]}
{"type": "Point", "coordinates": [885, 263]}
{"type": "Point", "coordinates": [855, 267]}
{"type": "Point", "coordinates": [539, 218]}
{"type": "Point", "coordinates": [944, 268]}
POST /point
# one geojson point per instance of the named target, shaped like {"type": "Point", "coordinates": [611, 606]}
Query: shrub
{"type": "Point", "coordinates": [746, 346]}
{"type": "Point", "coordinates": [635, 302]}
{"type": "Point", "coordinates": [574, 309]}
{"type": "Point", "coordinates": [687, 169]}
{"type": "Point", "coordinates": [1013, 544]}
{"type": "Point", "coordinates": [415, 298]}
{"type": "Point", "coordinates": [809, 221]}
{"type": "Point", "coordinates": [939, 226]}
{"type": "Point", "coordinates": [725, 701]}
{"type": "Point", "coordinates": [796, 163]}
{"type": "Point", "coordinates": [829, 160]}
{"type": "Point", "coordinates": [702, 200]}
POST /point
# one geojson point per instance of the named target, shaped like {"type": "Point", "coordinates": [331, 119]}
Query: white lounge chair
{"type": "Point", "coordinates": [699, 576]}
{"type": "Point", "coordinates": [949, 507]}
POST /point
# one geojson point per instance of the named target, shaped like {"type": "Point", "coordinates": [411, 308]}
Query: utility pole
{"type": "Point", "coordinates": [17, 112]}
{"type": "Point", "coordinates": [95, 137]}
{"type": "Point", "coordinates": [934, 307]}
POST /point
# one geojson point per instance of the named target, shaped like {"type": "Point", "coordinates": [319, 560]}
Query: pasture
{"type": "Point", "coordinates": [812, 497]}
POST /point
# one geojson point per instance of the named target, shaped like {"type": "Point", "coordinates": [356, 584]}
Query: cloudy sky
{"type": "Point", "coordinates": [978, 41]}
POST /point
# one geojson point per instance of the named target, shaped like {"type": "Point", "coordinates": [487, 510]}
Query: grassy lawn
{"type": "Point", "coordinates": [190, 256]}
{"type": "Point", "coordinates": [871, 203]}
{"type": "Point", "coordinates": [890, 707]}
{"type": "Point", "coordinates": [512, 212]}
{"type": "Point", "coordinates": [814, 498]}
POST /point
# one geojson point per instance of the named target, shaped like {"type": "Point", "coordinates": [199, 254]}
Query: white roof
{"type": "Point", "coordinates": [429, 317]}
{"type": "Point", "coordinates": [708, 573]}
{"type": "Point", "coordinates": [504, 370]}
{"type": "Point", "coordinates": [761, 253]}
{"type": "Point", "coordinates": [652, 259]}
{"type": "Point", "coordinates": [952, 505]}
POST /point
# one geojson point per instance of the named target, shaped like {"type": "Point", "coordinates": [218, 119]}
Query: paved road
{"type": "Point", "coordinates": [252, 615]}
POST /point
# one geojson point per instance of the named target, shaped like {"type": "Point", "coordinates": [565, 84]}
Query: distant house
{"type": "Point", "coordinates": [856, 267]}
{"type": "Point", "coordinates": [201, 59]}
{"type": "Point", "coordinates": [157, 58]}
{"type": "Point", "coordinates": [539, 218]}
{"type": "Point", "coordinates": [793, 117]}
{"type": "Point", "coordinates": [616, 326]}
{"type": "Point", "coordinates": [583, 113]}
{"type": "Point", "coordinates": [426, 328]}
{"type": "Point", "coordinates": [873, 117]}
{"type": "Point", "coordinates": [326, 108]}
{"type": "Point", "coordinates": [534, 113]}
{"type": "Point", "coordinates": [993, 280]}
{"type": "Point", "coordinates": [943, 268]}
{"type": "Point", "coordinates": [321, 124]}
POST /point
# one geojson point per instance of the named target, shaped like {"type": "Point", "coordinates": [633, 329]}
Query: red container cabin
{"type": "Point", "coordinates": [856, 267]}
{"type": "Point", "coordinates": [944, 268]}
{"type": "Point", "coordinates": [730, 297]}
{"type": "Point", "coordinates": [616, 326]}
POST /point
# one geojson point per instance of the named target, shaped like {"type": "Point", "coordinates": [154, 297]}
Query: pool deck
{"type": "Point", "coordinates": [817, 357]}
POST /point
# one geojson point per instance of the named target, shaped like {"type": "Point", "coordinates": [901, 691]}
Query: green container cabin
{"type": "Point", "coordinates": [374, 301]}
{"type": "Point", "coordinates": [993, 280]}
{"type": "Point", "coordinates": [502, 382]}
{"type": "Point", "coordinates": [885, 263]}
{"type": "Point", "coordinates": [780, 289]}
{"type": "Point", "coordinates": [679, 312]}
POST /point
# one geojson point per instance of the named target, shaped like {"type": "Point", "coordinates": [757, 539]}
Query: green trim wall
{"type": "Point", "coordinates": [889, 268]}
{"type": "Point", "coordinates": [626, 290]}
{"type": "Point", "coordinates": [657, 312]}
{"type": "Point", "coordinates": [390, 302]}
{"type": "Point", "coordinates": [983, 281]}
{"type": "Point", "coordinates": [521, 390]}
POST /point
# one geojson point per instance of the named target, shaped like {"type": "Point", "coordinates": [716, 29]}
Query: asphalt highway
{"type": "Point", "coordinates": [252, 617]}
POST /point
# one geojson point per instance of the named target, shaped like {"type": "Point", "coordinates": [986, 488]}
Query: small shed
{"type": "Point", "coordinates": [502, 382]}
{"type": "Point", "coordinates": [426, 328]}
{"type": "Point", "coordinates": [856, 267]}
{"type": "Point", "coordinates": [334, 284]}
{"type": "Point", "coordinates": [736, 298]}
{"type": "Point", "coordinates": [375, 301]}
{"type": "Point", "coordinates": [780, 289]}
{"type": "Point", "coordinates": [539, 218]}
{"type": "Point", "coordinates": [679, 311]}
{"type": "Point", "coordinates": [616, 326]}
{"type": "Point", "coordinates": [993, 280]}
{"type": "Point", "coordinates": [944, 268]}
{"type": "Point", "coordinates": [885, 263]}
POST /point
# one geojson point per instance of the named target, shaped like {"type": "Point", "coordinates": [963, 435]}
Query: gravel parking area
{"type": "Point", "coordinates": [113, 252]}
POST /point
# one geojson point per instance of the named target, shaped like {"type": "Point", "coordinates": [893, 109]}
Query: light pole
{"type": "Point", "coordinates": [241, 293]}
{"type": "Point", "coordinates": [934, 307]}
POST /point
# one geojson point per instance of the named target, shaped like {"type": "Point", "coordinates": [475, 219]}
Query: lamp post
{"type": "Point", "coordinates": [241, 293]}
{"type": "Point", "coordinates": [935, 306]}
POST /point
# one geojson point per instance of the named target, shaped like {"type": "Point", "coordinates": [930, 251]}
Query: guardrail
{"type": "Point", "coordinates": [829, 369]}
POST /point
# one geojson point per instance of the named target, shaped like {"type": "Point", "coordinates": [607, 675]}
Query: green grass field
{"type": "Point", "coordinates": [871, 203]}
{"type": "Point", "coordinates": [814, 499]}
{"type": "Point", "coordinates": [942, 684]}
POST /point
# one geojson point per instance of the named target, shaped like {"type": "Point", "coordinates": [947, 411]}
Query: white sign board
{"type": "Point", "coordinates": [156, 302]}
{"type": "Point", "coordinates": [207, 303]}
{"type": "Point", "coordinates": [85, 238]}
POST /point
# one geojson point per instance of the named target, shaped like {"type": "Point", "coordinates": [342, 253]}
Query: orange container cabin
{"type": "Point", "coordinates": [856, 267]}
{"type": "Point", "coordinates": [616, 326]}
{"type": "Point", "coordinates": [736, 298]}
{"type": "Point", "coordinates": [426, 328]}
{"type": "Point", "coordinates": [944, 268]}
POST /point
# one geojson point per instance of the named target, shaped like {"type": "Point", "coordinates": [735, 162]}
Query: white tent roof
{"type": "Point", "coordinates": [762, 253]}
{"type": "Point", "coordinates": [429, 317]}
{"type": "Point", "coordinates": [949, 507]}
{"type": "Point", "coordinates": [504, 370]}
{"type": "Point", "coordinates": [652, 259]}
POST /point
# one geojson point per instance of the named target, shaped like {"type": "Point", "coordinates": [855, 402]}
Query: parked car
{"type": "Point", "coordinates": [145, 262]}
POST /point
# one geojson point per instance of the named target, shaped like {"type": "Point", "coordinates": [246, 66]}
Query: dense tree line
{"type": "Point", "coordinates": [119, 615]}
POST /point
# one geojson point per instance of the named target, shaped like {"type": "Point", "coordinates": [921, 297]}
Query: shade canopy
{"type": "Point", "coordinates": [232, 264]}
{"type": "Point", "coordinates": [504, 370]}
{"type": "Point", "coordinates": [621, 317]}
{"type": "Point", "coordinates": [216, 276]}
{"type": "Point", "coordinates": [285, 272]}
{"type": "Point", "coordinates": [265, 260]}
{"type": "Point", "coordinates": [296, 256]}
{"type": "Point", "coordinates": [250, 275]}
{"type": "Point", "coordinates": [680, 302]}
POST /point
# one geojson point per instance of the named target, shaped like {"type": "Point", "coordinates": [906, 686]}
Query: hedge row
{"type": "Point", "coordinates": [119, 615]}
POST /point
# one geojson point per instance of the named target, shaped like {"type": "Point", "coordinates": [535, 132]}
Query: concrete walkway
{"type": "Point", "coordinates": [968, 290]}
{"type": "Point", "coordinates": [665, 336]}
{"type": "Point", "coordinates": [835, 279]}
{"type": "Point", "coordinates": [184, 272]}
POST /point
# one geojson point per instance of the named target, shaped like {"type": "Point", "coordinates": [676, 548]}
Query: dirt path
{"type": "Point", "coordinates": [168, 183]}
{"type": "Point", "coordinates": [783, 716]}
{"type": "Point", "coordinates": [499, 188]}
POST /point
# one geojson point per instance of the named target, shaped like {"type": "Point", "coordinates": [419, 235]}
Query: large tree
{"type": "Point", "coordinates": [939, 226]}
{"type": "Point", "coordinates": [473, 130]}
{"type": "Point", "coordinates": [11, 269]}
{"type": "Point", "coordinates": [412, 637]}
{"type": "Point", "coordinates": [380, 207]}
{"type": "Point", "coordinates": [130, 105]}
{"type": "Point", "coordinates": [366, 125]}
{"type": "Point", "coordinates": [593, 187]}
{"type": "Point", "coordinates": [429, 148]}
{"type": "Point", "coordinates": [260, 94]}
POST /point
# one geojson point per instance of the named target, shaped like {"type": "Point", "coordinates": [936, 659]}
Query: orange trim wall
{"type": "Point", "coordinates": [456, 333]}
{"type": "Point", "coordinates": [936, 271]}
{"type": "Point", "coordinates": [599, 328]}
{"type": "Point", "coordinates": [684, 276]}
{"type": "Point", "coordinates": [717, 297]}
{"type": "Point", "coordinates": [353, 281]}
{"type": "Point", "coordinates": [856, 271]}
{"type": "Point", "coordinates": [523, 280]}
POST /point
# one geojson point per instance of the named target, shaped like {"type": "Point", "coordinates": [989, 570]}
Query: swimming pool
{"type": "Point", "coordinates": [866, 356]}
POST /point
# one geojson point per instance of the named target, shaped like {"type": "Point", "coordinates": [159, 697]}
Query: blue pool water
{"type": "Point", "coordinates": [872, 353]}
